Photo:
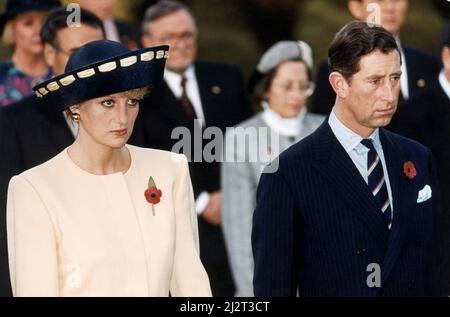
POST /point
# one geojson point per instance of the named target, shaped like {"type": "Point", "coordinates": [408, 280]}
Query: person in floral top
{"type": "Point", "coordinates": [14, 84]}
{"type": "Point", "coordinates": [19, 27]}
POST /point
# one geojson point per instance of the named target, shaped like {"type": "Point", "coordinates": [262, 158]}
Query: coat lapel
{"type": "Point", "coordinates": [204, 87]}
{"type": "Point", "coordinates": [171, 107]}
{"type": "Point", "coordinates": [335, 165]}
{"type": "Point", "coordinates": [394, 160]}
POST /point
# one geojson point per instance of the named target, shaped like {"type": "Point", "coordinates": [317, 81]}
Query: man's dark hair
{"type": "Point", "coordinates": [58, 19]}
{"type": "Point", "coordinates": [161, 9]}
{"type": "Point", "coordinates": [355, 40]}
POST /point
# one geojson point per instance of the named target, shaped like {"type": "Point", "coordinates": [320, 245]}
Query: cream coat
{"type": "Point", "coordinates": [72, 233]}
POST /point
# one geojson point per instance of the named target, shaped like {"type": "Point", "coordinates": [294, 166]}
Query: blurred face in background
{"type": "Point", "coordinates": [104, 9]}
{"type": "Point", "coordinates": [393, 12]}
{"type": "Point", "coordinates": [25, 29]}
{"type": "Point", "coordinates": [68, 40]}
{"type": "Point", "coordinates": [446, 61]}
{"type": "Point", "coordinates": [179, 31]}
{"type": "Point", "coordinates": [289, 89]}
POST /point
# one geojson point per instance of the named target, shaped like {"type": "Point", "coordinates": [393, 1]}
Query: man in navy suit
{"type": "Point", "coordinates": [426, 119]}
{"type": "Point", "coordinates": [210, 92]}
{"type": "Point", "coordinates": [419, 68]}
{"type": "Point", "coordinates": [353, 209]}
{"type": "Point", "coordinates": [116, 30]}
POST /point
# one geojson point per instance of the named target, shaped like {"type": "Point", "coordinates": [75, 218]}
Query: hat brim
{"type": "Point", "coordinates": [135, 69]}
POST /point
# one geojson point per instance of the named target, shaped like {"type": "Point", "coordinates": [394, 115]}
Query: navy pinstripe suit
{"type": "Point", "coordinates": [316, 227]}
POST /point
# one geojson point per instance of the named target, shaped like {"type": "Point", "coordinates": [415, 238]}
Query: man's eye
{"type": "Point", "coordinates": [133, 102]}
{"type": "Point", "coordinates": [375, 82]}
{"type": "Point", "coordinates": [108, 103]}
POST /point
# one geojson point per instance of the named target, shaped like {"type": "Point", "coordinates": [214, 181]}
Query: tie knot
{"type": "Point", "coordinates": [183, 81]}
{"type": "Point", "coordinates": [368, 144]}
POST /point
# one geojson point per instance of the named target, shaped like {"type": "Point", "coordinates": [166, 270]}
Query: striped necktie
{"type": "Point", "coordinates": [377, 182]}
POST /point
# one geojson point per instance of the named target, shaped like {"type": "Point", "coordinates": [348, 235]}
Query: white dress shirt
{"type": "Point", "coordinates": [404, 88]}
{"type": "Point", "coordinates": [173, 80]}
{"type": "Point", "coordinates": [111, 30]}
{"type": "Point", "coordinates": [358, 152]}
{"type": "Point", "coordinates": [445, 83]}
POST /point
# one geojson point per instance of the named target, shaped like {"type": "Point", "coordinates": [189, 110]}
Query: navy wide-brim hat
{"type": "Point", "coordinates": [102, 68]}
{"type": "Point", "coordinates": [14, 7]}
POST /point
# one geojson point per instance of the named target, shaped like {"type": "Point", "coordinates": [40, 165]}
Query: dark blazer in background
{"type": "Point", "coordinates": [317, 228]}
{"type": "Point", "coordinates": [423, 68]}
{"type": "Point", "coordinates": [225, 104]}
{"type": "Point", "coordinates": [426, 119]}
{"type": "Point", "coordinates": [30, 134]}
{"type": "Point", "coordinates": [129, 34]}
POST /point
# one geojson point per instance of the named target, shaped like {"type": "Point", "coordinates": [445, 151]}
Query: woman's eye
{"type": "Point", "coordinates": [133, 102]}
{"type": "Point", "coordinates": [108, 103]}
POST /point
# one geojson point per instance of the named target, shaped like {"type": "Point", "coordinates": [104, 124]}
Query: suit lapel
{"type": "Point", "coordinates": [394, 160]}
{"type": "Point", "coordinates": [204, 90]}
{"type": "Point", "coordinates": [171, 107]}
{"type": "Point", "coordinates": [335, 165]}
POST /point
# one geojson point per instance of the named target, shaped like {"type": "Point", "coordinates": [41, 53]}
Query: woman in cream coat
{"type": "Point", "coordinates": [282, 85]}
{"type": "Point", "coordinates": [103, 218]}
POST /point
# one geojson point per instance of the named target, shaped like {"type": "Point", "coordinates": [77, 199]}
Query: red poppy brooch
{"type": "Point", "coordinates": [152, 194]}
{"type": "Point", "coordinates": [409, 170]}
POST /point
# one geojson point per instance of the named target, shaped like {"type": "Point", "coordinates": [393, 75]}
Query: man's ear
{"type": "Point", "coordinates": [446, 58]}
{"type": "Point", "coordinates": [49, 54]}
{"type": "Point", "coordinates": [357, 10]}
{"type": "Point", "coordinates": [339, 84]}
{"type": "Point", "coordinates": [146, 40]}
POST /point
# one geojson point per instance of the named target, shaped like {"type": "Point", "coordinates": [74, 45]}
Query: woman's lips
{"type": "Point", "coordinates": [121, 132]}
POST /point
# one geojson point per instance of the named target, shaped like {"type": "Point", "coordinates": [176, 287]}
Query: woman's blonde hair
{"type": "Point", "coordinates": [138, 93]}
{"type": "Point", "coordinates": [7, 36]}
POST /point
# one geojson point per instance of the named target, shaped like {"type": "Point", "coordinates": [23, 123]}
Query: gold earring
{"type": "Point", "coordinates": [76, 117]}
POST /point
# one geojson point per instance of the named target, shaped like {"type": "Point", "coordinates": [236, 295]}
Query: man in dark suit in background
{"type": "Point", "coordinates": [212, 93]}
{"type": "Point", "coordinates": [116, 30]}
{"type": "Point", "coordinates": [419, 68]}
{"type": "Point", "coordinates": [426, 119]}
{"type": "Point", "coordinates": [353, 209]}
{"type": "Point", "coordinates": [30, 131]}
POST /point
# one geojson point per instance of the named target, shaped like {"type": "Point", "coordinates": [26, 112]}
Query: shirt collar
{"type": "Point", "coordinates": [283, 126]}
{"type": "Point", "coordinates": [399, 44]}
{"type": "Point", "coordinates": [349, 139]}
{"type": "Point", "coordinates": [445, 84]}
{"type": "Point", "coordinates": [172, 76]}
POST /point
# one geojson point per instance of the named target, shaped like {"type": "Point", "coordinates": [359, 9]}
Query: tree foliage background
{"type": "Point", "coordinates": [238, 31]}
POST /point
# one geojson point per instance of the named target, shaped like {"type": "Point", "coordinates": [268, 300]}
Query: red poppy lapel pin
{"type": "Point", "coordinates": [409, 170]}
{"type": "Point", "coordinates": [152, 194]}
